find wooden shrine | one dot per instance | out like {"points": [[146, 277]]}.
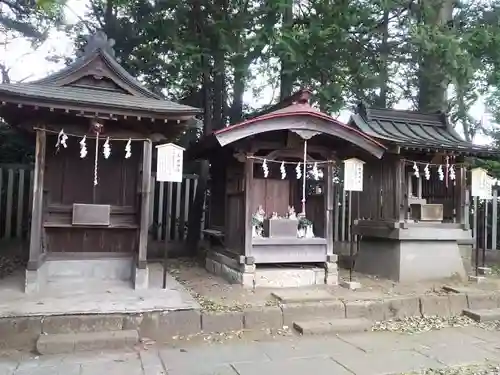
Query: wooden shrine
{"points": [[413, 221], [94, 126], [271, 197], [403, 172]]}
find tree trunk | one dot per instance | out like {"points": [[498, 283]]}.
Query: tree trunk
{"points": [[196, 213], [433, 83], [236, 112], [384, 63], [286, 76]]}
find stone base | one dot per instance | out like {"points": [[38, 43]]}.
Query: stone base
{"points": [[140, 279], [477, 279], [351, 285], [410, 260], [53, 273], [466, 249], [251, 277], [34, 281]]}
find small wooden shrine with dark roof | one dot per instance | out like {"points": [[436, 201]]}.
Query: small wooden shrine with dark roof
{"points": [[94, 125], [413, 213]]}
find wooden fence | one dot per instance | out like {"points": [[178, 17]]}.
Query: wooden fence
{"points": [[484, 221], [170, 204], [15, 200]]}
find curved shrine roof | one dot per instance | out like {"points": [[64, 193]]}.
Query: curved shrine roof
{"points": [[413, 130], [95, 81], [297, 115]]}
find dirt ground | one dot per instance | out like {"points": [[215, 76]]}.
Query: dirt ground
{"points": [[13, 256], [213, 292]]}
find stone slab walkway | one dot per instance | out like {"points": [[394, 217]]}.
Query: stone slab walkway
{"points": [[96, 298], [370, 353]]}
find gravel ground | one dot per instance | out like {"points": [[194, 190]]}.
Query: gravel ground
{"points": [[215, 294], [489, 369], [429, 323], [12, 257], [9, 264]]}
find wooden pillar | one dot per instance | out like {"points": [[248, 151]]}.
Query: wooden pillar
{"points": [[37, 204], [400, 202], [460, 196], [248, 205], [145, 193], [329, 206]]}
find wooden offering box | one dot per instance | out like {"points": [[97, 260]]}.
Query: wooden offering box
{"points": [[427, 212], [274, 228]]}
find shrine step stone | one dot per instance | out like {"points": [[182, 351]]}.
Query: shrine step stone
{"points": [[303, 296], [321, 327], [484, 271], [484, 315], [64, 343]]}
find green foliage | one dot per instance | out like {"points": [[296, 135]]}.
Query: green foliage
{"points": [[15, 147], [380, 51], [30, 19]]}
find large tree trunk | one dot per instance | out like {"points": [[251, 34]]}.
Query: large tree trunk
{"points": [[196, 214], [433, 83], [286, 76], [236, 111], [384, 63]]}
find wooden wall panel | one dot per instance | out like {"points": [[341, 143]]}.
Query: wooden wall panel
{"points": [[273, 195], [91, 240], [70, 179], [235, 224]]}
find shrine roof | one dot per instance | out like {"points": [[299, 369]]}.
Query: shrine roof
{"points": [[297, 115], [95, 81], [299, 107], [413, 129], [79, 96]]}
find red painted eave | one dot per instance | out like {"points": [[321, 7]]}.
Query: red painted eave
{"points": [[297, 109]]}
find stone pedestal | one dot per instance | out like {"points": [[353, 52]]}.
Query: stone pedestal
{"points": [[411, 252], [331, 270], [140, 278], [251, 276], [34, 281]]}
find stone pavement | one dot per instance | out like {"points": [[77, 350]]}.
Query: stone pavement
{"points": [[367, 353], [97, 297]]}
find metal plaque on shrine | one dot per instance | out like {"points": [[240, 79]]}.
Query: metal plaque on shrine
{"points": [[353, 174], [169, 163]]}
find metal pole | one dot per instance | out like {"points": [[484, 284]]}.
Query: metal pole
{"points": [[304, 179], [485, 239], [476, 237]]}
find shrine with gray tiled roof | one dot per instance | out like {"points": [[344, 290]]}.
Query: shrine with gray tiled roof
{"points": [[94, 126], [413, 221]]}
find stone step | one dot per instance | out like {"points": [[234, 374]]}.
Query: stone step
{"points": [[486, 315], [319, 327], [303, 296], [64, 343], [484, 271]]}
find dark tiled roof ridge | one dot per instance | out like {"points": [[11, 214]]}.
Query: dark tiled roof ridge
{"points": [[80, 95], [403, 115], [82, 61]]}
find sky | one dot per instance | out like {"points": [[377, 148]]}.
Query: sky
{"points": [[26, 64]]}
